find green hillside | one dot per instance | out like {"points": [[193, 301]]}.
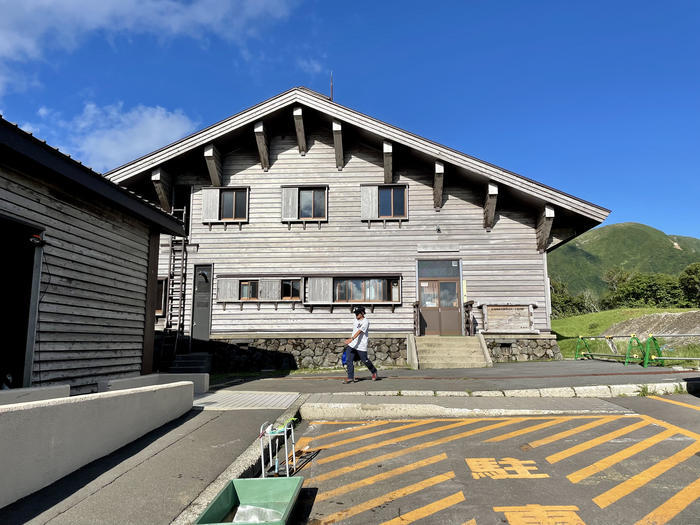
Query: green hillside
{"points": [[582, 262]]}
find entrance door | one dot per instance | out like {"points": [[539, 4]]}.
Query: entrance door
{"points": [[439, 294], [201, 305], [439, 307]]}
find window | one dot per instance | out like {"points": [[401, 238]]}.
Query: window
{"points": [[312, 203], [161, 290], [291, 289], [370, 290], [248, 290], [392, 201], [234, 204]]}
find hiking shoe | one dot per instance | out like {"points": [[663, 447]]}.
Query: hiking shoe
{"points": [[348, 381], [374, 377]]}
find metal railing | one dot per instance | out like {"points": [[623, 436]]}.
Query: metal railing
{"points": [[646, 353]]}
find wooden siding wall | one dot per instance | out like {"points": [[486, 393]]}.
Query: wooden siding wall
{"points": [[499, 266], [93, 285]]}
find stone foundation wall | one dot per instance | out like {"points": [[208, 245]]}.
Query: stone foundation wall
{"points": [[300, 352], [505, 348]]}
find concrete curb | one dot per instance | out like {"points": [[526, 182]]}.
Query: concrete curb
{"points": [[676, 387], [245, 466]]}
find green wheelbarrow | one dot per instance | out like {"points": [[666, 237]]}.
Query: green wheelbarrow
{"points": [[247, 501]]}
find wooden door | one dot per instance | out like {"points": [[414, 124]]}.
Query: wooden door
{"points": [[439, 307]]}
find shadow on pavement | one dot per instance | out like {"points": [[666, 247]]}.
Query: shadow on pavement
{"points": [[38, 502]]}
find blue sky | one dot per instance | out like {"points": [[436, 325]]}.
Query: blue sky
{"points": [[598, 99]]}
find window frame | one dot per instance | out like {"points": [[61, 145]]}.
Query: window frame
{"points": [[163, 302], [249, 282], [387, 282], [233, 190], [393, 216], [291, 297], [313, 205]]}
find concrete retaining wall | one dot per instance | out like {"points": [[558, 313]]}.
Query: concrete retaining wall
{"points": [[25, 395], [42, 441], [200, 381]]}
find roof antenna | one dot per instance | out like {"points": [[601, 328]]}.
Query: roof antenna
{"points": [[331, 85]]}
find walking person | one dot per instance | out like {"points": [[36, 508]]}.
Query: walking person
{"points": [[357, 345]]}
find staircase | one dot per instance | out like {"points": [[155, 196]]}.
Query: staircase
{"points": [[435, 351], [195, 362]]}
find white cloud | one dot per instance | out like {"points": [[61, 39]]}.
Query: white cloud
{"points": [[104, 137], [30, 27], [309, 65]]}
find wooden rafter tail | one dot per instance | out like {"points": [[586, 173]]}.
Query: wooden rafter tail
{"points": [[261, 140], [544, 227], [438, 182], [162, 182], [490, 206], [299, 127], [387, 148], [338, 144], [213, 159]]}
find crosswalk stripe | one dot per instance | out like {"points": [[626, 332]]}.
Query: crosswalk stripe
{"points": [[674, 506], [630, 485], [344, 489], [619, 456], [386, 498], [527, 430], [587, 445], [392, 441], [351, 429], [391, 455], [372, 434], [427, 510], [673, 401], [572, 432]]}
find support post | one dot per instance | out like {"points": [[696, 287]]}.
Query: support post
{"points": [[388, 168], [438, 181], [338, 143], [544, 227], [163, 184], [261, 140], [490, 206], [299, 126], [211, 155]]}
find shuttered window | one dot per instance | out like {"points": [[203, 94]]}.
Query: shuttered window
{"points": [[367, 290], [248, 290], [386, 202], [291, 289], [304, 203], [233, 204]]}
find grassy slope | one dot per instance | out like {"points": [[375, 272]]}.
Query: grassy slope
{"points": [[582, 262], [569, 328]]}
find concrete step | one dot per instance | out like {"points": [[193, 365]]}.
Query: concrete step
{"points": [[423, 365], [449, 354], [447, 347]]}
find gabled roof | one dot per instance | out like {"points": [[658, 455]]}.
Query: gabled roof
{"points": [[21, 150], [321, 103]]}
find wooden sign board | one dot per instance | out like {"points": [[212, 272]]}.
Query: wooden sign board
{"points": [[508, 318]]}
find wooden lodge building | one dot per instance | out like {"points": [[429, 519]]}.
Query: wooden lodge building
{"points": [[298, 208], [80, 260]]}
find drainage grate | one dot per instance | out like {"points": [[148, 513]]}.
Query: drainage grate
{"points": [[237, 400]]}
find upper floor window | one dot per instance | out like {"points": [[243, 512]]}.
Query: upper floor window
{"points": [[234, 204], [312, 203], [366, 289], [392, 201]]}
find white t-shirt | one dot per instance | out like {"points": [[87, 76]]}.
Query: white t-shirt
{"points": [[360, 342]]}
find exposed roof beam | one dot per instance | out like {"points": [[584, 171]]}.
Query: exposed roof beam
{"points": [[162, 182], [490, 206], [211, 155], [560, 236], [438, 181], [261, 139], [338, 143], [544, 227], [299, 126], [388, 167]]}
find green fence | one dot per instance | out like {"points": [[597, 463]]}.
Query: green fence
{"points": [[630, 349]]}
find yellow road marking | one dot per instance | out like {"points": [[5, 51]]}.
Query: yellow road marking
{"points": [[572, 432], [379, 477], [427, 510], [630, 485], [586, 445], [350, 422], [679, 403], [669, 426], [372, 434], [391, 455], [619, 456], [666, 512], [351, 429], [392, 441], [527, 430], [386, 498], [470, 522]]}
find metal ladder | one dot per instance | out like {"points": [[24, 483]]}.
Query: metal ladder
{"points": [[177, 271]]}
